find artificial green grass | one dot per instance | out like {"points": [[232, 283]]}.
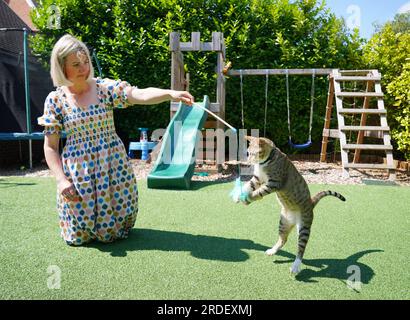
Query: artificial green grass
{"points": [[199, 245]]}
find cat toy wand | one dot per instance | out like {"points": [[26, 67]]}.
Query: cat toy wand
{"points": [[237, 193], [214, 115]]}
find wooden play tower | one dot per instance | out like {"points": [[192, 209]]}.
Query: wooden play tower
{"points": [[210, 152]]}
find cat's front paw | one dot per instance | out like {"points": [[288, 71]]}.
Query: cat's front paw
{"points": [[244, 198], [246, 203]]}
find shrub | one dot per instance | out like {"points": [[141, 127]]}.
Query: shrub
{"points": [[389, 50], [399, 89]]}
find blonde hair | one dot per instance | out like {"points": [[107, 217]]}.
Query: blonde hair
{"points": [[65, 46]]}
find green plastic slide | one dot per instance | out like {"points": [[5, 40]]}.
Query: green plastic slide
{"points": [[176, 161]]}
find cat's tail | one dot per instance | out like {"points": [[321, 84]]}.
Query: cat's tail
{"points": [[323, 194]]}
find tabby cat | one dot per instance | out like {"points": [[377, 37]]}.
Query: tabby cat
{"points": [[274, 172]]}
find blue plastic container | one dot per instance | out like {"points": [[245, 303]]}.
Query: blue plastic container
{"points": [[144, 145]]}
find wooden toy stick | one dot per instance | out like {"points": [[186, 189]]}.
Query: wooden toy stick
{"points": [[214, 115]]}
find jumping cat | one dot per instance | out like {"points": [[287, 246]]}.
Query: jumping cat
{"points": [[274, 172]]}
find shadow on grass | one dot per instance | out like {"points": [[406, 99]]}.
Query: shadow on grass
{"points": [[196, 185], [375, 182], [200, 246], [332, 268], [4, 184]]}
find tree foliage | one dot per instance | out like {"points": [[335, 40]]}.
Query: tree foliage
{"points": [[389, 51], [132, 39]]}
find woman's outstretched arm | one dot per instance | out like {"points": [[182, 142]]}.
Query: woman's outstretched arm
{"points": [[156, 95]]}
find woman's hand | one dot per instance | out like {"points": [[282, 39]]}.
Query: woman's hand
{"points": [[183, 96], [67, 190]]}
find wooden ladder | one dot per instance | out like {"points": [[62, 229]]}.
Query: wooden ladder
{"points": [[372, 79]]}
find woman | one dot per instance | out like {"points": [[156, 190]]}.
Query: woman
{"points": [[96, 188]]}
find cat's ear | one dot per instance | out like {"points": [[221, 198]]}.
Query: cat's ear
{"points": [[266, 141]]}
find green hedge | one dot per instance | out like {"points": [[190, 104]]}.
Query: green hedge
{"points": [[400, 110], [389, 51], [132, 40]]}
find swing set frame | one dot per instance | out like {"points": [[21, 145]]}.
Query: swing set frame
{"points": [[180, 80], [283, 72]]}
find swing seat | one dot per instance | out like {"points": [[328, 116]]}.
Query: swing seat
{"points": [[300, 146], [312, 101]]}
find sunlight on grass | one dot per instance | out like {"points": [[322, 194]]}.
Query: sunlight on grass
{"points": [[200, 245]]}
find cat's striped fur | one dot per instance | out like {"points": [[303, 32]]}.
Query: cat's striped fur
{"points": [[274, 172]]}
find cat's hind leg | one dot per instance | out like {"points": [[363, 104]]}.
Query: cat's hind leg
{"points": [[285, 227], [303, 237]]}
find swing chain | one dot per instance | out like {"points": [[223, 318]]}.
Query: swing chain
{"points": [[266, 101], [242, 113], [287, 103], [312, 103]]}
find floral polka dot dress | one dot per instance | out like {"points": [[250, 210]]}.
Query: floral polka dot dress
{"points": [[95, 160]]}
